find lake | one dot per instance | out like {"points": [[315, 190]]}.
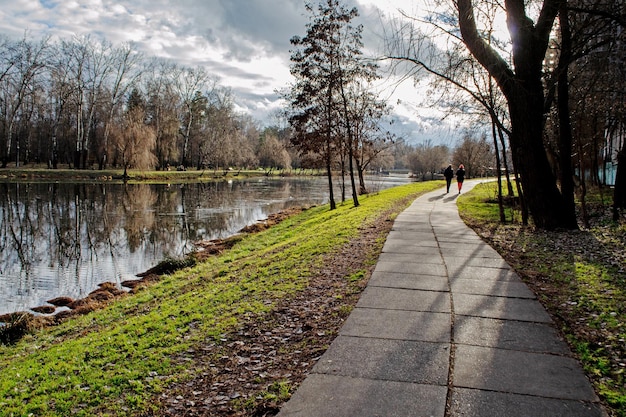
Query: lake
{"points": [[63, 239]]}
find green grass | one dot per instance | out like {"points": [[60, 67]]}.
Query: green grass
{"points": [[579, 276], [117, 360], [481, 204]]}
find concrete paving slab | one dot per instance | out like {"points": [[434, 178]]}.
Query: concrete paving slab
{"points": [[453, 235], [509, 334], [449, 220], [333, 396], [413, 236], [451, 244], [410, 258], [411, 226], [520, 373], [442, 212], [403, 299], [417, 212], [456, 263], [475, 272], [418, 232], [385, 359], [408, 281], [482, 272], [521, 309], [476, 403], [516, 289], [393, 244], [422, 268], [398, 325], [411, 222], [417, 249], [419, 218], [474, 251]]}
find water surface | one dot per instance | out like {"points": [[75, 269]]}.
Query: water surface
{"points": [[63, 239]]}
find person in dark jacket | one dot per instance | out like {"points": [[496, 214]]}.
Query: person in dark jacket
{"points": [[448, 173], [460, 176]]}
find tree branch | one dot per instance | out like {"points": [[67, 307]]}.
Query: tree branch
{"points": [[481, 50]]}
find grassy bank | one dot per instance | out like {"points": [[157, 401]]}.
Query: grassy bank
{"points": [[579, 276], [35, 173], [121, 359]]}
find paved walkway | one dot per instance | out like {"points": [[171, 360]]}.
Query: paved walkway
{"points": [[444, 328]]}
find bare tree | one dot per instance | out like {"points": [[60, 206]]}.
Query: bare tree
{"points": [[124, 74], [589, 89], [428, 158], [188, 83], [476, 154], [98, 66], [26, 60], [366, 113], [222, 133], [60, 91], [77, 52], [519, 78], [84, 66], [459, 84], [74, 111], [312, 99]]}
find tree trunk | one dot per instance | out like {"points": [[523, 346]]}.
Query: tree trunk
{"points": [[523, 90], [498, 165], [505, 162], [619, 193], [346, 115], [9, 139], [186, 136], [343, 178], [565, 126], [329, 173], [545, 202], [359, 170]]}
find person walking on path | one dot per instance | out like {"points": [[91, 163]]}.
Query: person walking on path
{"points": [[460, 176], [448, 173]]}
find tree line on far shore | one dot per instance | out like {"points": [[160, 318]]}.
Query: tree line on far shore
{"points": [[84, 103], [87, 104]]}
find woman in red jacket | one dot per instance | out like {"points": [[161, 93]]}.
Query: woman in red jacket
{"points": [[460, 176]]}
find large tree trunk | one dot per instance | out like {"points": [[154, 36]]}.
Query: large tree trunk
{"points": [[565, 126], [545, 202], [523, 90]]}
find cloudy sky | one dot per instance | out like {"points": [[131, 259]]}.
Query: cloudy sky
{"points": [[245, 43]]}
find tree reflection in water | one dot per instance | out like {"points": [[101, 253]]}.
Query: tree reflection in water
{"points": [[62, 239]]}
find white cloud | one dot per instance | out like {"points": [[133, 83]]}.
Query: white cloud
{"points": [[245, 43]]}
